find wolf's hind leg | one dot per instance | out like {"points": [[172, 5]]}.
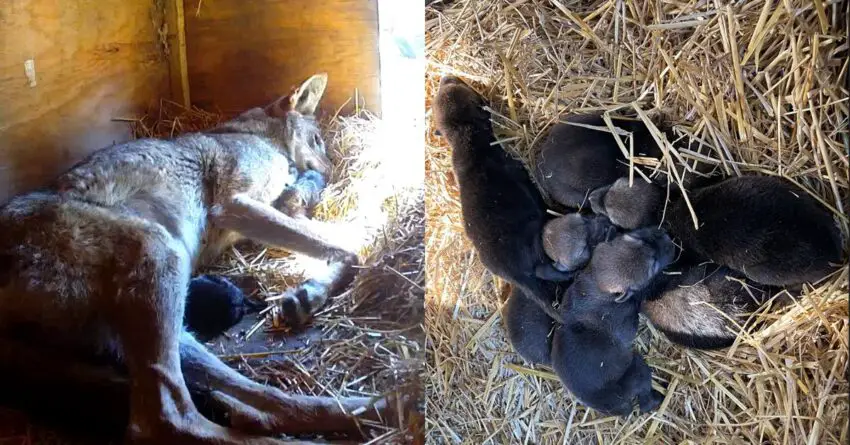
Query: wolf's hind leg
{"points": [[146, 314], [262, 409]]}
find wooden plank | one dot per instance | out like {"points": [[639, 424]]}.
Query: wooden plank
{"points": [[177, 63], [246, 53], [92, 61]]}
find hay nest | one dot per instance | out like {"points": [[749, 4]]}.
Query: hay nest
{"points": [[366, 341], [761, 84]]}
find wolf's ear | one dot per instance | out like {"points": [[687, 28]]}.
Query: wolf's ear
{"points": [[305, 99]]}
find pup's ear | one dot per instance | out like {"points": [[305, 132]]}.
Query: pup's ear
{"points": [[305, 99]]}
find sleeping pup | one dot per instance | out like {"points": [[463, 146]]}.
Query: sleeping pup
{"points": [[762, 226], [592, 351], [703, 305], [503, 211], [214, 305]]}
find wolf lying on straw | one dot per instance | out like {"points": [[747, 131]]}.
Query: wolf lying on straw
{"points": [[98, 263], [739, 210]]}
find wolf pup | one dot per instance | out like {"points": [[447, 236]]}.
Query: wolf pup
{"points": [[503, 211], [592, 351], [99, 263], [575, 160], [762, 226], [629, 207], [529, 328], [213, 305], [299, 199], [569, 240], [704, 305]]}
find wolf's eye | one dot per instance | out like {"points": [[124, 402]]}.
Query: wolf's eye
{"points": [[317, 140]]}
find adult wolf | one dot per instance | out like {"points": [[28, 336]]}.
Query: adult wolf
{"points": [[98, 263]]}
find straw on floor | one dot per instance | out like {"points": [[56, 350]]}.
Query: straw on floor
{"points": [[761, 83]]}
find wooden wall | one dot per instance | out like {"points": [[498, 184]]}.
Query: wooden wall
{"points": [[246, 53], [94, 60]]}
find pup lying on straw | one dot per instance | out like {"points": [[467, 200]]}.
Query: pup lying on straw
{"points": [[592, 351], [503, 211], [703, 305], [569, 240], [764, 227], [575, 160]]}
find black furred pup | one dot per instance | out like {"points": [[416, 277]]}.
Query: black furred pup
{"points": [[214, 305], [703, 305], [762, 226], [592, 351], [502, 209], [529, 328], [575, 160]]}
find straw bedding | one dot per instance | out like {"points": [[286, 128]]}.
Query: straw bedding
{"points": [[761, 84]]}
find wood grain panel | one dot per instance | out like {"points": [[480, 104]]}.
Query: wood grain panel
{"points": [[246, 53], [94, 60]]}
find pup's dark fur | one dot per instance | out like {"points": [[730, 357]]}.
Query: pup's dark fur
{"points": [[502, 209], [299, 199], [592, 351], [763, 226], [529, 328], [214, 305], [574, 160], [700, 307], [570, 239]]}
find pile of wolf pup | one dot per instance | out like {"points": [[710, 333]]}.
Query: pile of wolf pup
{"points": [[579, 281]]}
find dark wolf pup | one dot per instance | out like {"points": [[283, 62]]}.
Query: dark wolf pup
{"points": [[503, 211], [592, 351], [762, 226], [98, 263], [213, 305], [703, 305]]}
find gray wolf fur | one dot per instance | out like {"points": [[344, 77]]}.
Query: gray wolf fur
{"points": [[99, 261]]}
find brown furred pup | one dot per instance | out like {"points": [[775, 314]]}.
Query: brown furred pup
{"points": [[569, 240], [592, 351], [762, 226], [575, 160], [502, 209], [703, 305]]}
